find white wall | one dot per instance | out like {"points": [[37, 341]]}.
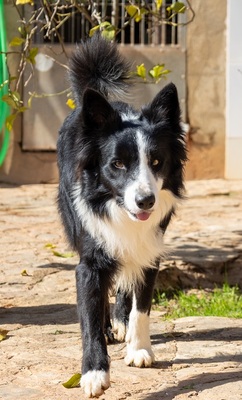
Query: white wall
{"points": [[233, 163]]}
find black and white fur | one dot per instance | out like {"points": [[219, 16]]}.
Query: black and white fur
{"points": [[121, 177]]}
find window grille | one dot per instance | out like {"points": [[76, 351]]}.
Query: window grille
{"points": [[146, 32]]}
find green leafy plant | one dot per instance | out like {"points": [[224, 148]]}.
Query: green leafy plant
{"points": [[136, 12], [156, 73], [48, 18]]}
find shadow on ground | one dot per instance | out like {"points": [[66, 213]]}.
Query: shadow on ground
{"points": [[196, 383], [53, 314], [223, 334], [59, 266]]}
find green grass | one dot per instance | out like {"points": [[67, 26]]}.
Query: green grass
{"points": [[221, 302]]}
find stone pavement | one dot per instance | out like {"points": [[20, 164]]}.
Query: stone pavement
{"points": [[197, 358]]}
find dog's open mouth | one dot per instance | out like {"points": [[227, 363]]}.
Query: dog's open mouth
{"points": [[140, 216], [143, 216]]}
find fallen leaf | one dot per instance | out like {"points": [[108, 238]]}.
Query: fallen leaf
{"points": [[63, 255], [3, 334], [24, 273], [50, 246], [58, 332], [74, 381]]}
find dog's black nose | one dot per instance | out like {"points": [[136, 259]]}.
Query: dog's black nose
{"points": [[145, 202]]}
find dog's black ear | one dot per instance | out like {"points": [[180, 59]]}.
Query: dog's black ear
{"points": [[165, 106], [97, 112]]}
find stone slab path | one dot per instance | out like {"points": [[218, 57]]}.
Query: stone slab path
{"points": [[196, 358]]}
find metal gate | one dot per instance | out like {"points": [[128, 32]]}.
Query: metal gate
{"points": [[141, 42]]}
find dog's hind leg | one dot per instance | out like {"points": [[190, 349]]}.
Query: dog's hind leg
{"points": [[122, 310], [139, 352], [92, 291], [108, 326]]}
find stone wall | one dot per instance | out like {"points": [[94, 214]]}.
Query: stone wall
{"points": [[206, 57]]}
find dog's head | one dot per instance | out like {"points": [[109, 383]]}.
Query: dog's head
{"points": [[134, 157]]}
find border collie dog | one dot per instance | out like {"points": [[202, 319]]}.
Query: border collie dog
{"points": [[121, 177]]}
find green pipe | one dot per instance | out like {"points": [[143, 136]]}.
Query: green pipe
{"points": [[4, 108]]}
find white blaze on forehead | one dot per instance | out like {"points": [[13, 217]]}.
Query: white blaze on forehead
{"points": [[145, 182], [146, 179]]}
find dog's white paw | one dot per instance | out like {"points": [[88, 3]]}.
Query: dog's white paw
{"points": [[95, 382], [119, 329], [140, 358]]}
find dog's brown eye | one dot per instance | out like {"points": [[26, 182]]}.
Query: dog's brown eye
{"points": [[155, 162], [118, 164]]}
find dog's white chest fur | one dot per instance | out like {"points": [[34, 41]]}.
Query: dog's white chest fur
{"points": [[134, 244]]}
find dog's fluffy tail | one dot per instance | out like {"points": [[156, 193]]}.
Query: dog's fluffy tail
{"points": [[97, 64]]}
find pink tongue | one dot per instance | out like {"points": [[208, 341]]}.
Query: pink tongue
{"points": [[143, 216]]}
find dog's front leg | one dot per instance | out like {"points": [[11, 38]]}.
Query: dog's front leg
{"points": [[139, 352], [92, 291]]}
